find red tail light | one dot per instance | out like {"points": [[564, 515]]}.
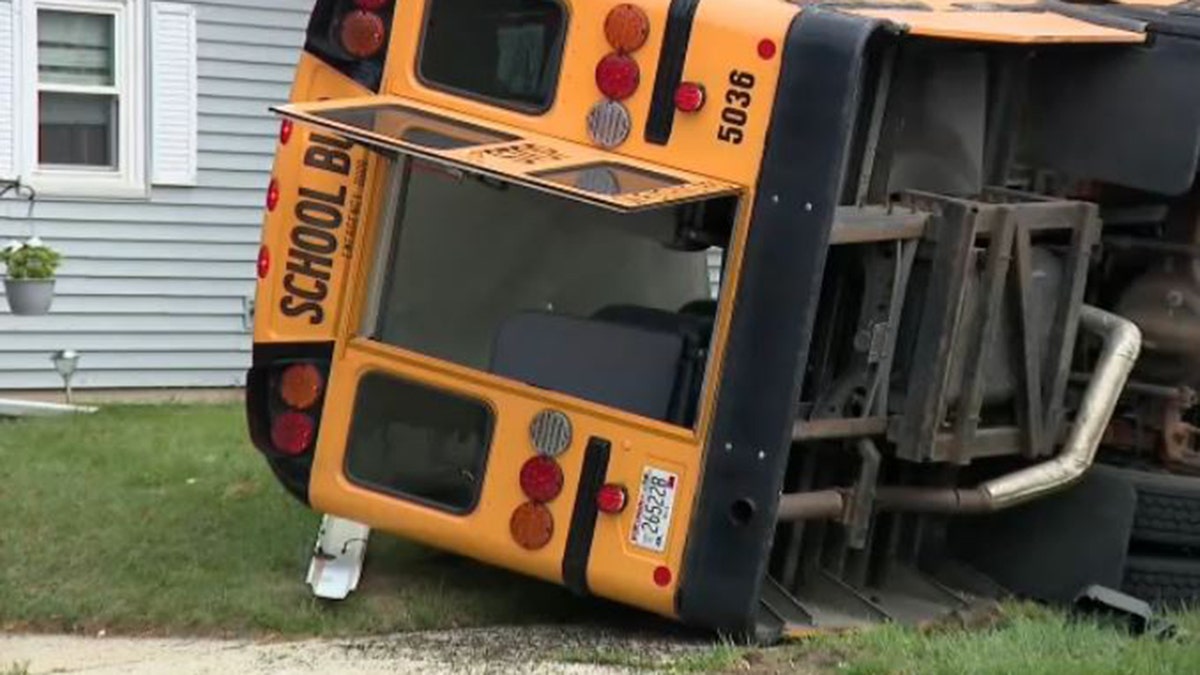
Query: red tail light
{"points": [[301, 386], [292, 433], [264, 262], [273, 195], [285, 131], [363, 34], [617, 76], [611, 499], [541, 479]]}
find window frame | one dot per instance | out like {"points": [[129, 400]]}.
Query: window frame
{"points": [[128, 179]]}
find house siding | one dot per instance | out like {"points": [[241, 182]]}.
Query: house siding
{"points": [[156, 292]]}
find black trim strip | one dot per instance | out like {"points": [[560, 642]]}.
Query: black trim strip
{"points": [[814, 117], [583, 518], [670, 70]]}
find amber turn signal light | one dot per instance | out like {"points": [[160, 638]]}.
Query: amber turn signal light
{"points": [[301, 385], [532, 526], [627, 28], [362, 34]]}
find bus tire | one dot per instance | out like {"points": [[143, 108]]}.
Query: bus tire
{"points": [[1168, 508], [1170, 582]]}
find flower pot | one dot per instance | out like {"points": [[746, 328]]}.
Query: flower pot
{"points": [[29, 297]]}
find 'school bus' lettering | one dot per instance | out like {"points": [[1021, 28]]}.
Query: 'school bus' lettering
{"points": [[313, 239]]}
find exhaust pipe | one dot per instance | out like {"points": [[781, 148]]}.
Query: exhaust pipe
{"points": [[1122, 344]]}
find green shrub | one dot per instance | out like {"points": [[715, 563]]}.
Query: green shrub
{"points": [[30, 260]]}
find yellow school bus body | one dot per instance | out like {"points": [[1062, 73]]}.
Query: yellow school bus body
{"points": [[617, 569]]}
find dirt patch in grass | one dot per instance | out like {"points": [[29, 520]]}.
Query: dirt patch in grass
{"points": [[147, 520]]}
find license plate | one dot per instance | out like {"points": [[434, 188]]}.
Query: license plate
{"points": [[652, 523]]}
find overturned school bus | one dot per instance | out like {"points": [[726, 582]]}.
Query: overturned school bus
{"points": [[758, 315]]}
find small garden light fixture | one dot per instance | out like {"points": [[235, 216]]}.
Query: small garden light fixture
{"points": [[66, 362]]}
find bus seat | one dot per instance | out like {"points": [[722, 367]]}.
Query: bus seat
{"points": [[627, 367], [694, 324]]}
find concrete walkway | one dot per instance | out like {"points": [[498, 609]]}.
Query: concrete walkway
{"points": [[500, 651]]}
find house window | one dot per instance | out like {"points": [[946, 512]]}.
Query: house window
{"points": [[79, 100], [84, 114]]}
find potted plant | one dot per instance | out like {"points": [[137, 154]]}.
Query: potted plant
{"points": [[29, 283]]}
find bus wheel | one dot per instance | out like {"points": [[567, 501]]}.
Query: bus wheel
{"points": [[1172, 582]]}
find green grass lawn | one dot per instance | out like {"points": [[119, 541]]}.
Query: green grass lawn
{"points": [[1026, 640], [162, 520]]}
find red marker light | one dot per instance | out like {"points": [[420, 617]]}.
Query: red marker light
{"points": [[273, 195], [662, 576], [766, 49], [689, 97], [292, 433], [611, 499], [618, 76], [541, 479], [264, 262], [285, 131]]}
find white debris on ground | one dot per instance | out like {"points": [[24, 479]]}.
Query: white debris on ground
{"points": [[497, 651]]}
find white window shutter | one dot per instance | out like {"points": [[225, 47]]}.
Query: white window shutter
{"points": [[8, 99], [173, 85]]}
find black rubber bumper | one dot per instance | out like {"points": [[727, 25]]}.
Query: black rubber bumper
{"points": [[811, 129]]}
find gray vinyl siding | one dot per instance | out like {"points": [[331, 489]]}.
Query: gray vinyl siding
{"points": [[154, 293]]}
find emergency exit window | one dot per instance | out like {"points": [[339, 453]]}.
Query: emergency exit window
{"points": [[502, 51]]}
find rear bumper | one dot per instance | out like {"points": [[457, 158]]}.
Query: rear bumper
{"points": [[815, 117]]}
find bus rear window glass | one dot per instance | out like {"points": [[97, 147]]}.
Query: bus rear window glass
{"points": [[412, 441], [609, 178], [415, 126], [503, 51]]}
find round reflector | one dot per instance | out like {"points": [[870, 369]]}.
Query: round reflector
{"points": [[286, 128], [627, 28], [611, 499], [541, 479], [766, 49], [272, 195], [550, 433], [301, 385], [292, 433], [362, 34], [618, 76], [532, 526], [662, 576], [689, 97], [372, 5], [264, 261], [608, 124]]}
